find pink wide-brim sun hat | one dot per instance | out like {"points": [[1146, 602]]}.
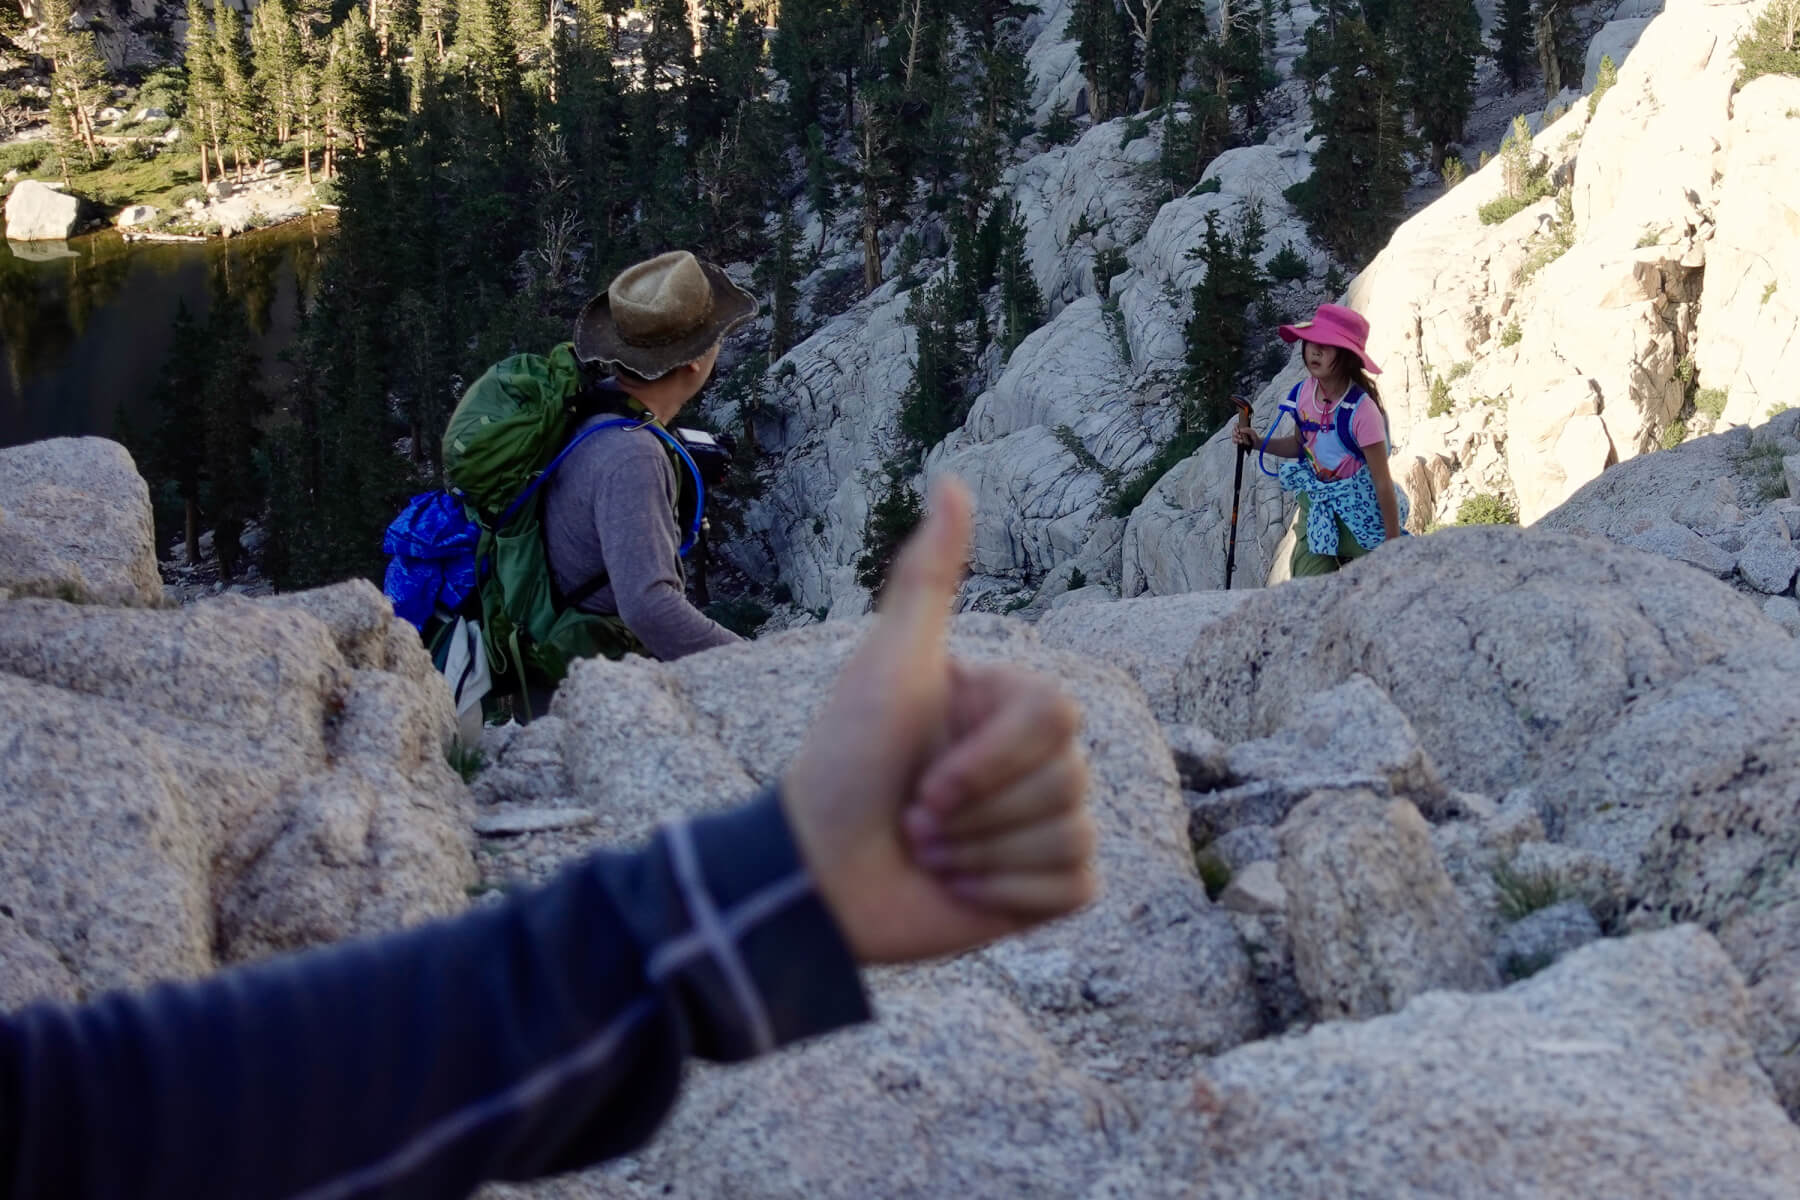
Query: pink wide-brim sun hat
{"points": [[1334, 325]]}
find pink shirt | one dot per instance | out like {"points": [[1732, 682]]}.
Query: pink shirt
{"points": [[1366, 426]]}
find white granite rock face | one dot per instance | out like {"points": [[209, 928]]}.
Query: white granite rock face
{"points": [[75, 523], [1747, 343], [203, 785]]}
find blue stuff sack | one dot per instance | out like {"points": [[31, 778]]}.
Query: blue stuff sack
{"points": [[433, 545]]}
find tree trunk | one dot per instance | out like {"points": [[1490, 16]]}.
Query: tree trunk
{"points": [[306, 152], [191, 530]]}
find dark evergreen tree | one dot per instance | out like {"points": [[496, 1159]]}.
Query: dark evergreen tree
{"points": [[1435, 42], [1219, 327], [1104, 39], [1021, 303], [936, 402], [891, 520], [232, 404], [1353, 199], [1513, 40], [175, 452]]}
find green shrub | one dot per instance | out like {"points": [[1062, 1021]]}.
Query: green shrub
{"points": [[1607, 75], [1768, 292], [1674, 433], [1773, 44], [1459, 370], [1649, 238], [23, 157], [1711, 401], [1083, 227], [1487, 509], [1107, 263], [1135, 128], [1455, 171], [1288, 266], [1512, 333], [1209, 187], [1215, 876], [1524, 182], [1077, 579], [1440, 398], [1132, 491]]}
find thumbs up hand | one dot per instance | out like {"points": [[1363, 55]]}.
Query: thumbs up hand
{"points": [[939, 805]]}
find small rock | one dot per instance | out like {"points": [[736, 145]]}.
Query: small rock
{"points": [[1784, 611], [219, 189], [533, 820], [1684, 545], [1246, 845], [1538, 939], [1255, 890], [151, 114], [172, 136], [112, 115], [137, 214], [270, 166], [1769, 564]]}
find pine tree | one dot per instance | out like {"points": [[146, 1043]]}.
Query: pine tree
{"points": [[1218, 329], [1558, 46], [484, 44], [349, 89], [276, 56], [891, 520], [232, 404], [1436, 41], [206, 85], [176, 448], [1104, 39], [1513, 40], [1021, 303], [76, 82], [935, 403], [237, 85], [779, 271], [1359, 180]]}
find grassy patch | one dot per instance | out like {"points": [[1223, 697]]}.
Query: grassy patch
{"points": [[1524, 966], [1132, 491], [1511, 334], [1523, 894], [1069, 440], [1459, 370], [1762, 463], [1768, 293], [1711, 401], [129, 179], [1674, 433], [1649, 238], [1114, 317], [466, 760]]}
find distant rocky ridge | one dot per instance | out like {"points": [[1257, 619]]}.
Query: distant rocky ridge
{"points": [[1522, 359], [1478, 757]]}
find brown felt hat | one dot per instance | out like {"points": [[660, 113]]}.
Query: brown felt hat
{"points": [[661, 314]]}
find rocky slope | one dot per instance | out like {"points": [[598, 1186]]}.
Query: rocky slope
{"points": [[1350, 810], [1636, 303]]}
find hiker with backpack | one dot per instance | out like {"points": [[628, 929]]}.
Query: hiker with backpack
{"points": [[610, 510], [572, 498], [1348, 502]]}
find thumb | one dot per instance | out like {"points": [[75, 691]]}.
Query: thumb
{"points": [[915, 607]]}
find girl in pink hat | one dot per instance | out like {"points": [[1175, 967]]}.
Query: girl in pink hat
{"points": [[1348, 502]]}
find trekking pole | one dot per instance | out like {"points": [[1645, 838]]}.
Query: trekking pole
{"points": [[1237, 482]]}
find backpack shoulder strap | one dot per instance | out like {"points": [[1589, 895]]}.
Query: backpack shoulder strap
{"points": [[1345, 414]]}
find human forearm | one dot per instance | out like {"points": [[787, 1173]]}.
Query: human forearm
{"points": [[529, 1037]]}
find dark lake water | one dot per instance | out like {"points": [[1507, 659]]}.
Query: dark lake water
{"points": [[85, 325]]}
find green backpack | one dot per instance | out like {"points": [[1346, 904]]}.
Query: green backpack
{"points": [[509, 431]]}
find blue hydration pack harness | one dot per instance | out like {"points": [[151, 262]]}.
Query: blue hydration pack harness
{"points": [[433, 541], [1346, 409]]}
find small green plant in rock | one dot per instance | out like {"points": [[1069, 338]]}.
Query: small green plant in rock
{"points": [[1077, 579], [1440, 398], [1604, 78], [1649, 238], [1455, 171], [1083, 226], [1524, 966], [1674, 433], [1711, 401], [1135, 128], [1215, 875], [1522, 894], [1108, 263], [1768, 293], [1459, 370], [1762, 463], [1209, 187], [1071, 441], [1510, 335], [1059, 126], [1561, 238], [1525, 182], [1485, 508], [466, 760]]}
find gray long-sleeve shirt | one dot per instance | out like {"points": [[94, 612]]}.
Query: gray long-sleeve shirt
{"points": [[611, 507]]}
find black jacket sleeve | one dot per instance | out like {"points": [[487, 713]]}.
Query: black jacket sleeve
{"points": [[524, 1038]]}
